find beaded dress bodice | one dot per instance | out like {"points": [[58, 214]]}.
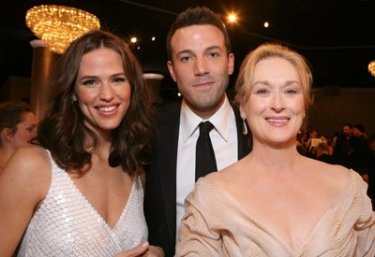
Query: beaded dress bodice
{"points": [[66, 224]]}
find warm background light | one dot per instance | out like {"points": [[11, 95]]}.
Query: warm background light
{"points": [[232, 17], [59, 25], [133, 40], [371, 68]]}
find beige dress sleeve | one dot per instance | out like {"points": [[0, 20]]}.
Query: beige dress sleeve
{"points": [[196, 236], [365, 224]]}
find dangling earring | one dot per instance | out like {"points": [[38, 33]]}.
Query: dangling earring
{"points": [[244, 127], [73, 99]]}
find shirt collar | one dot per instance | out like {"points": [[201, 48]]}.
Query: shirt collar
{"points": [[190, 121]]}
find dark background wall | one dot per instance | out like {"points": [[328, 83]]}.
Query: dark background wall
{"points": [[334, 106]]}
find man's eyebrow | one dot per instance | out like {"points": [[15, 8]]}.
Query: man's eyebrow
{"points": [[213, 48], [185, 51]]}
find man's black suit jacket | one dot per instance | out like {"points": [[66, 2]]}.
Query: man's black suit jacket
{"points": [[160, 187]]}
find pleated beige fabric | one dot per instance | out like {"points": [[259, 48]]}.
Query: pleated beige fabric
{"points": [[215, 224]]}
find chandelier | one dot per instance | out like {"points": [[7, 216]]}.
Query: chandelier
{"points": [[371, 68], [59, 25]]}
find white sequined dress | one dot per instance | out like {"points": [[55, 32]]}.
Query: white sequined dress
{"points": [[66, 224]]}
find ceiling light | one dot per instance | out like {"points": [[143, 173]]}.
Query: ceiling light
{"points": [[371, 68], [59, 25], [133, 40], [232, 18]]}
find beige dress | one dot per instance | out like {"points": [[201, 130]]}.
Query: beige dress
{"points": [[215, 224]]}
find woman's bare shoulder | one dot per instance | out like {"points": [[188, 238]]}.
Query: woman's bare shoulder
{"points": [[26, 177], [334, 175], [334, 169], [30, 156], [29, 163], [225, 178]]}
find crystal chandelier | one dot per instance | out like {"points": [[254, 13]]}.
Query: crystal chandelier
{"points": [[59, 25], [371, 68]]}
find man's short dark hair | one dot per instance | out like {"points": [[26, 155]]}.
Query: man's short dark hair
{"points": [[197, 16]]}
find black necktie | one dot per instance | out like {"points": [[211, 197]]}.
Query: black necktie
{"points": [[204, 156]]}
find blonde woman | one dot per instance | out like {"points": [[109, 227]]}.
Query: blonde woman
{"points": [[274, 201]]}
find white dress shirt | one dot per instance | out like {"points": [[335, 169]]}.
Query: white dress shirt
{"points": [[224, 142]]}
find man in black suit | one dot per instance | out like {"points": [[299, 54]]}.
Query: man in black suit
{"points": [[200, 62]]}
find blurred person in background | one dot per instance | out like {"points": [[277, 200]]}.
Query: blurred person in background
{"points": [[17, 128], [371, 189], [323, 153], [343, 148], [361, 154]]}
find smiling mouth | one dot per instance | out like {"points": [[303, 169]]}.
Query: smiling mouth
{"points": [[107, 109], [278, 121]]}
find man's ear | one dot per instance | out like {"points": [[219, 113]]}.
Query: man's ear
{"points": [[171, 70], [230, 64]]}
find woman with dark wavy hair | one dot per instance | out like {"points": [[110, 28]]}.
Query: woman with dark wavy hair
{"points": [[79, 192]]}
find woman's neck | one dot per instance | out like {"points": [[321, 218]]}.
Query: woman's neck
{"points": [[275, 158]]}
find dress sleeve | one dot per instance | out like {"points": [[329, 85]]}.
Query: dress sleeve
{"points": [[197, 236], [365, 224]]}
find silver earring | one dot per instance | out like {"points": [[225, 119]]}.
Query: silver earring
{"points": [[244, 127], [73, 99]]}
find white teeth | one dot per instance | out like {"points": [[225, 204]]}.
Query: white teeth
{"points": [[277, 120], [107, 108]]}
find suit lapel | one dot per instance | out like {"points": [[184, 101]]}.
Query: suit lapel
{"points": [[168, 162], [168, 145]]}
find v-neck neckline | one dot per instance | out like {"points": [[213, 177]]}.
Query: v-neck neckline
{"points": [[89, 204], [298, 250]]}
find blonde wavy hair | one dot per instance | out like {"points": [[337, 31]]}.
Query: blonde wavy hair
{"points": [[244, 83]]}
